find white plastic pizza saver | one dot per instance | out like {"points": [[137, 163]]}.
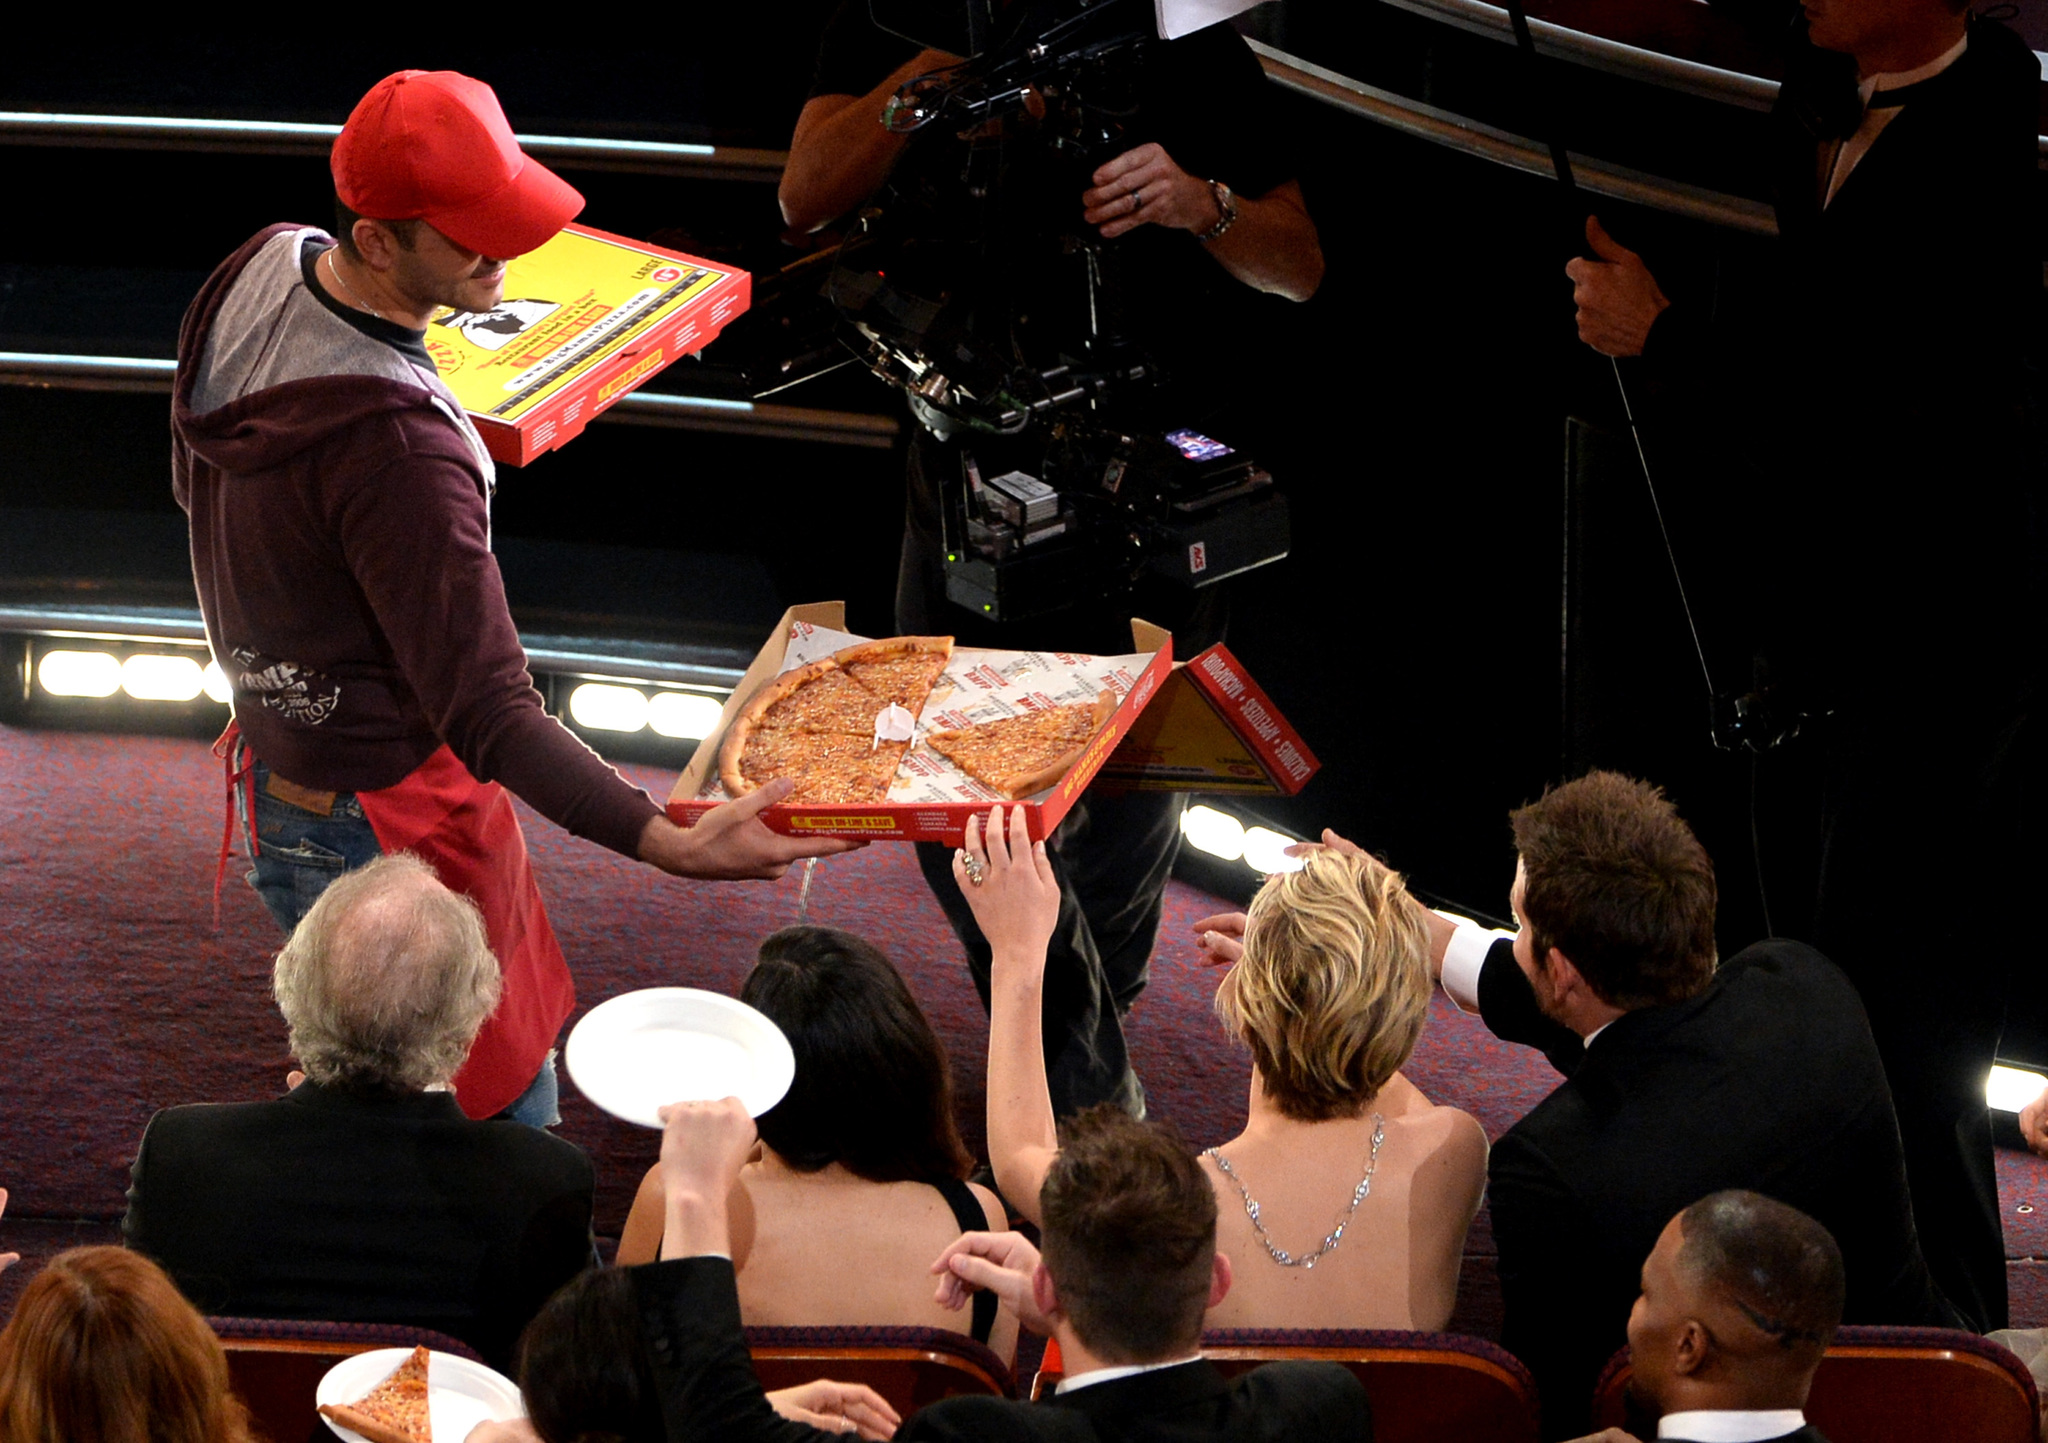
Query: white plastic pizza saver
{"points": [[460, 1394], [640, 1051]]}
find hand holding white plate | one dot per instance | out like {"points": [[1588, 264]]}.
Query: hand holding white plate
{"points": [[460, 1394], [638, 1052]]}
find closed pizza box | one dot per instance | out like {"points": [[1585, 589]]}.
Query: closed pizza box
{"points": [[916, 821], [584, 320], [1211, 729]]}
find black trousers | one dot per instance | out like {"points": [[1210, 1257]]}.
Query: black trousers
{"points": [[1929, 857], [1113, 853]]}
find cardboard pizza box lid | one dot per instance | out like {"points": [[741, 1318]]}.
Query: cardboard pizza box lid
{"points": [[1212, 729], [909, 821], [584, 320]]}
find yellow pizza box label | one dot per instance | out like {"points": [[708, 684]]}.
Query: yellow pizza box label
{"points": [[571, 311]]}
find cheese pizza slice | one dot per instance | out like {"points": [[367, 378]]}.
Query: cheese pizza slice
{"points": [[395, 1411], [1026, 753]]}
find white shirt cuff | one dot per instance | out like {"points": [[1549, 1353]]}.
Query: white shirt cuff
{"points": [[1464, 959]]}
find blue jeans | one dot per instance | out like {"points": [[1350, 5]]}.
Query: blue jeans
{"points": [[296, 853]]}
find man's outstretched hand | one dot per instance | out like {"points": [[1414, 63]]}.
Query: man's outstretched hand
{"points": [[1003, 1263], [1617, 297], [731, 843]]}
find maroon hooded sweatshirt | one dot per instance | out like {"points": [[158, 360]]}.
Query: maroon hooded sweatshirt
{"points": [[340, 510]]}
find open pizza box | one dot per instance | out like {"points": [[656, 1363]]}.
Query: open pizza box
{"points": [[584, 320], [932, 800], [1211, 729]]}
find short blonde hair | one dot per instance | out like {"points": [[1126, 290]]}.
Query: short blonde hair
{"points": [[1332, 989]]}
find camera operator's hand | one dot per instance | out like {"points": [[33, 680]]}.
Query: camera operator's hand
{"points": [[1145, 187], [1272, 246], [1617, 297]]}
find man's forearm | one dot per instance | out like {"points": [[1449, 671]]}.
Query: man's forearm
{"points": [[841, 152], [1273, 246]]}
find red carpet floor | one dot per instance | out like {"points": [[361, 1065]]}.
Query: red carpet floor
{"points": [[118, 997]]}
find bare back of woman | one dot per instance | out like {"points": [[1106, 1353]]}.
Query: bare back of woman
{"points": [[1396, 1262]]}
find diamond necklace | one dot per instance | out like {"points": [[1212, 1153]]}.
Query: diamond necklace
{"points": [[1358, 1195]]}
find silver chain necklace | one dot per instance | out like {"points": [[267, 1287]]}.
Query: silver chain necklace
{"points": [[335, 271], [1358, 1195]]}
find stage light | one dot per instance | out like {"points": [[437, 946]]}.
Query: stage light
{"points": [[1217, 833], [687, 714], [215, 681], [1265, 851], [161, 678], [79, 673], [2008, 1089], [605, 708]]}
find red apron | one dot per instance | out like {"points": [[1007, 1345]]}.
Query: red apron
{"points": [[468, 833]]}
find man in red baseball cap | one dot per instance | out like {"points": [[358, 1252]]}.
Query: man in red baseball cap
{"points": [[340, 508]]}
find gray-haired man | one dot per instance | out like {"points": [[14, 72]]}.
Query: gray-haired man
{"points": [[365, 1195]]}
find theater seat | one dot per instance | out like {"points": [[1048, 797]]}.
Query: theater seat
{"points": [[909, 1366], [276, 1364], [1424, 1387], [1879, 1384]]}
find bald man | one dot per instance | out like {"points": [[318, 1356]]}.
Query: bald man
{"points": [[1740, 1298]]}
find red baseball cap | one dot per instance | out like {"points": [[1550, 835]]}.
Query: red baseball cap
{"points": [[434, 145]]}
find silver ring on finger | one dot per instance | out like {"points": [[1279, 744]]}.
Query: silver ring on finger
{"points": [[971, 864], [1137, 202]]}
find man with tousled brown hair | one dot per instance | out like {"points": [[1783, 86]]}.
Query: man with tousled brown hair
{"points": [[1683, 1078]]}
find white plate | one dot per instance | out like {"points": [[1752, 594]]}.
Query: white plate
{"points": [[642, 1050], [460, 1394]]}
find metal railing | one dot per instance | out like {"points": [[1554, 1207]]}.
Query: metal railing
{"points": [[1426, 122], [1597, 52], [283, 137], [644, 408]]}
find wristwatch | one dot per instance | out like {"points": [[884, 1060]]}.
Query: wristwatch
{"points": [[1227, 204]]}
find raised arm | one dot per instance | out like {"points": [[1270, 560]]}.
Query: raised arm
{"points": [[1017, 903], [841, 151]]}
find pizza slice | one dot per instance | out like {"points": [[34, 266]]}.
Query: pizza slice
{"points": [[902, 670], [858, 779], [831, 701], [395, 1411], [768, 752], [1026, 753]]}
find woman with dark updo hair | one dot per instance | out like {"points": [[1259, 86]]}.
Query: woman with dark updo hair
{"points": [[859, 1182]]}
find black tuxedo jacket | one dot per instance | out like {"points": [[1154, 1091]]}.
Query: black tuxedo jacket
{"points": [[336, 1206], [689, 1311], [1768, 1080], [1876, 523]]}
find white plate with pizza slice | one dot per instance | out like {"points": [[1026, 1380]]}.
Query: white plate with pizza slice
{"points": [[635, 1053], [460, 1393]]}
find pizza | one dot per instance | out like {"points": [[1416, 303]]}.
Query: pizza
{"points": [[1028, 752], [395, 1411], [815, 724]]}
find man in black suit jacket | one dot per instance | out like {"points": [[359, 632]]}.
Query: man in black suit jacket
{"points": [[1891, 547], [365, 1195], [1682, 1079], [1740, 1298], [1130, 1266]]}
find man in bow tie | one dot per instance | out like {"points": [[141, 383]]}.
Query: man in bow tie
{"points": [[1877, 471]]}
